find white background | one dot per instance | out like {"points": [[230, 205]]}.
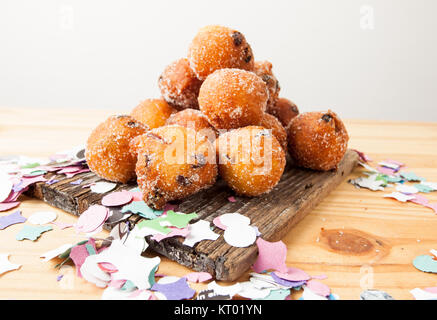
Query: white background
{"points": [[371, 59]]}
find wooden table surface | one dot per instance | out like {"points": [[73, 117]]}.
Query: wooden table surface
{"points": [[395, 232]]}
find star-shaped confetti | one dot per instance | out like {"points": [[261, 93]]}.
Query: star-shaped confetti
{"points": [[199, 231], [271, 255]]}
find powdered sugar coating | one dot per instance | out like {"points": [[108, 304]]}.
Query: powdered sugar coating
{"points": [[217, 47], [193, 119], [263, 69], [173, 163], [179, 85], [251, 160], [284, 110], [233, 98], [152, 112], [107, 151], [317, 140]]}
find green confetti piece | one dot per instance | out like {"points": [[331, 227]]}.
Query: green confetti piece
{"points": [[393, 179], [90, 249], [32, 232], [155, 224], [411, 176], [141, 208], [179, 219], [37, 173], [30, 165], [152, 276], [279, 294], [128, 286], [66, 253], [423, 188]]}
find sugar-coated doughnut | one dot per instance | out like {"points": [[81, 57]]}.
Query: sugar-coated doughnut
{"points": [[152, 112]]}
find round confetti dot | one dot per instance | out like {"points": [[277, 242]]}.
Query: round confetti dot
{"points": [[117, 198], [103, 187], [42, 217], [230, 219], [239, 235], [92, 218]]}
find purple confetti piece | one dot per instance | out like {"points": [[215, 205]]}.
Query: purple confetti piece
{"points": [[287, 283], [50, 182], [11, 219], [58, 278], [76, 182], [177, 290]]}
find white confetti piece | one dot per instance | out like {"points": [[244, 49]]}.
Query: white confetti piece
{"points": [[91, 272], [49, 255], [310, 295], [240, 236], [406, 189], [367, 167], [390, 165], [199, 231], [168, 279], [225, 290], [369, 183], [399, 196], [5, 265], [264, 281], [5, 186], [250, 291], [229, 219], [103, 187], [432, 185], [42, 217], [420, 294]]}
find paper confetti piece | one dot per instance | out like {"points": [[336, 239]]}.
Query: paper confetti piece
{"points": [[308, 294], [91, 272], [151, 227], [79, 253], [363, 156], [287, 283], [369, 183], [179, 219], [76, 182], [178, 290], [8, 206], [11, 219], [432, 185], [216, 221], [175, 232], [232, 199], [278, 294], [42, 217], [318, 288], [103, 187], [420, 294], [92, 218], [425, 263], [49, 255], [294, 274], [390, 164], [225, 290], [31, 232], [239, 236], [117, 198], [62, 225], [200, 231], [211, 295], [431, 289], [229, 219], [406, 189], [5, 187], [5, 265], [385, 170], [399, 196], [141, 208], [198, 276], [248, 290], [130, 265], [411, 176], [373, 294], [266, 281], [423, 188], [271, 255]]}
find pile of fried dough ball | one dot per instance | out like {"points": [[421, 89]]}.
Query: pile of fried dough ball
{"points": [[220, 115]]}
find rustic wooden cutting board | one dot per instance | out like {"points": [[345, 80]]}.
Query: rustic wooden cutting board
{"points": [[275, 213]]}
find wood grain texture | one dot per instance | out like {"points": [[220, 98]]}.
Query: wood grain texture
{"points": [[406, 230], [274, 213]]}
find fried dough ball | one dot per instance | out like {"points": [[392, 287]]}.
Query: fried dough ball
{"points": [[270, 122], [172, 164], [284, 110], [152, 112], [233, 98], [263, 69], [217, 47], [251, 160], [107, 151], [179, 85], [317, 140], [194, 119]]}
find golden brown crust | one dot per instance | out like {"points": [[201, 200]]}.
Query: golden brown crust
{"points": [[263, 69], [107, 151], [251, 160], [179, 85], [233, 98], [173, 163], [284, 110], [152, 112], [270, 122], [193, 119], [317, 140], [217, 47]]}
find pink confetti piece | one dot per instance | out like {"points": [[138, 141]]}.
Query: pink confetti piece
{"points": [[8, 206], [198, 277], [116, 283], [431, 289], [117, 198], [71, 175], [293, 274], [385, 170], [62, 225], [218, 223], [107, 267], [363, 156], [232, 199], [271, 255], [136, 195], [318, 288], [28, 181], [421, 200], [169, 207], [79, 253], [70, 169], [92, 219], [175, 232], [320, 277], [400, 164]]}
